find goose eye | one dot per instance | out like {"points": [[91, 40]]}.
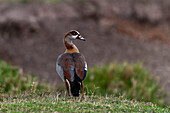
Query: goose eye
{"points": [[74, 33]]}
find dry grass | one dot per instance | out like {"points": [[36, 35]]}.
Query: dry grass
{"points": [[54, 102]]}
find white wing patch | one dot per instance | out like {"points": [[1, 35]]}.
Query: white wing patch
{"points": [[85, 66]]}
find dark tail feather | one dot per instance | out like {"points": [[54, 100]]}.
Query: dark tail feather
{"points": [[75, 88]]}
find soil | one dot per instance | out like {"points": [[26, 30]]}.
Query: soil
{"points": [[134, 31]]}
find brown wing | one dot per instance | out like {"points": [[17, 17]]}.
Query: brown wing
{"points": [[65, 66], [80, 65]]}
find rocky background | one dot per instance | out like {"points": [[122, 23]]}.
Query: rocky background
{"points": [[31, 34]]}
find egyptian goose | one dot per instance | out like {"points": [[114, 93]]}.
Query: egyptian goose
{"points": [[71, 65]]}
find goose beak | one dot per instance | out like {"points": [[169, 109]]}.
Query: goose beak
{"points": [[81, 38]]}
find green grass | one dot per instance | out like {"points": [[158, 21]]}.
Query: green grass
{"points": [[133, 81], [52, 102], [13, 81], [25, 93]]}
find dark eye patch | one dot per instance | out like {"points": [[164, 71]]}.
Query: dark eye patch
{"points": [[74, 33]]}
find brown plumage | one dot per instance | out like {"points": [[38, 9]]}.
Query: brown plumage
{"points": [[71, 65]]}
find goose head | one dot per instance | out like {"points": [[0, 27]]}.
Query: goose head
{"points": [[73, 35]]}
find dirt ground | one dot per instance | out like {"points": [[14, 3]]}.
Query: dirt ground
{"points": [[134, 31]]}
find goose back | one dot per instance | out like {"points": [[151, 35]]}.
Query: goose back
{"points": [[71, 66]]}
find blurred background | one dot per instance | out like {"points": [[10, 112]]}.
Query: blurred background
{"points": [[133, 31]]}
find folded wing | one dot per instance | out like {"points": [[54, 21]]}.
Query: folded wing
{"points": [[80, 65], [65, 67]]}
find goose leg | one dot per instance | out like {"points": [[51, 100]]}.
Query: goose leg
{"points": [[67, 87], [82, 89]]}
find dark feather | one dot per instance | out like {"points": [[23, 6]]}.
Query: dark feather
{"points": [[75, 88]]}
